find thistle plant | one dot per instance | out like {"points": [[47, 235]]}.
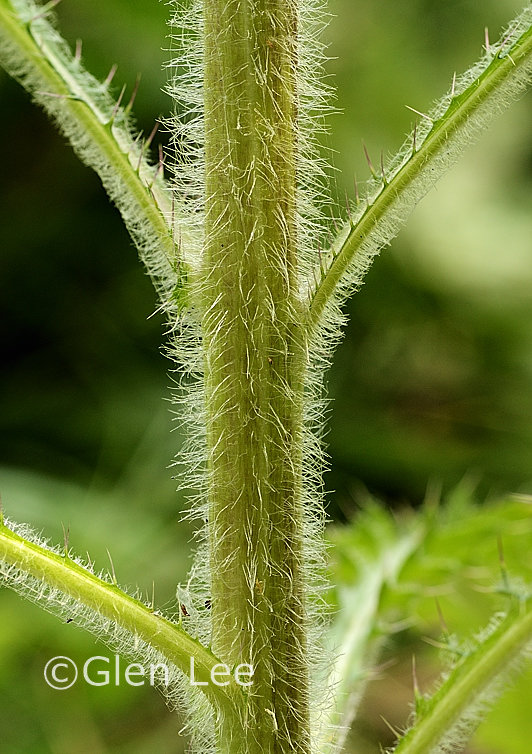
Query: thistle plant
{"points": [[229, 224]]}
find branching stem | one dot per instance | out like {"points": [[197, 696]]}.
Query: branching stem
{"points": [[389, 209], [98, 130], [60, 572]]}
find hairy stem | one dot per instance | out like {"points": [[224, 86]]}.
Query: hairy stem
{"points": [[98, 129], [254, 359], [64, 574], [475, 99]]}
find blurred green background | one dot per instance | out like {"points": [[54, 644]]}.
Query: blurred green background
{"points": [[433, 381]]}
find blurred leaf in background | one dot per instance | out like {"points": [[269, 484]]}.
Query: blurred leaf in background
{"points": [[433, 380], [411, 591]]}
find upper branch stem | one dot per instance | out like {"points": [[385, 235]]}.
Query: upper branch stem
{"points": [[99, 131], [499, 83]]}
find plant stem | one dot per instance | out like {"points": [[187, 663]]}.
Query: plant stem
{"points": [[466, 115], [254, 362], [62, 573], [101, 134]]}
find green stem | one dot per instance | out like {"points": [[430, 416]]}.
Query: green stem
{"points": [[254, 365], [502, 80], [99, 132], [62, 573]]}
